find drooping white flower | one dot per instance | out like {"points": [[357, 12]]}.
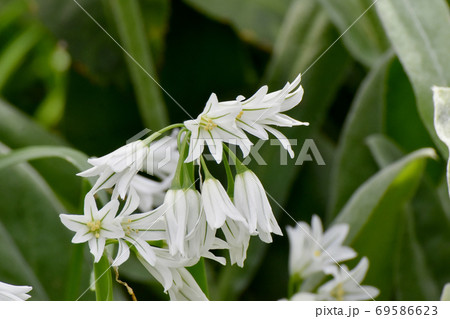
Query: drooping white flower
{"points": [[138, 230], [346, 284], [251, 200], [175, 279], [118, 168], [95, 226], [214, 126], [312, 250], [151, 192], [217, 204], [14, 293], [237, 237], [178, 205]]}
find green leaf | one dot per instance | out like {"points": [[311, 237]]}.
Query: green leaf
{"points": [[412, 273], [376, 208], [139, 60], [256, 21], [30, 214], [420, 34], [365, 118], [305, 29], [103, 280], [362, 31], [13, 55]]}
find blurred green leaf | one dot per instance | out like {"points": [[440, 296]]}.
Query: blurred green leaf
{"points": [[365, 39], [420, 34], [376, 208], [30, 212], [103, 280], [256, 21], [13, 55], [412, 275], [139, 60], [304, 35], [365, 118]]}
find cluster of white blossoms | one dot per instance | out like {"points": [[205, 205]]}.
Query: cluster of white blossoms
{"points": [[14, 293], [314, 253], [171, 214]]}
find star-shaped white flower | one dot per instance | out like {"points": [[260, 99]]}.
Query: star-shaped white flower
{"points": [[312, 250], [346, 284], [138, 230], [214, 126], [94, 226], [14, 293], [237, 237]]}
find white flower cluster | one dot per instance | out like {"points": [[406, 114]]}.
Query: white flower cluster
{"points": [[156, 209], [14, 293], [313, 251]]}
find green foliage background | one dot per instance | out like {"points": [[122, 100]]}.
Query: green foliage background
{"points": [[67, 89]]}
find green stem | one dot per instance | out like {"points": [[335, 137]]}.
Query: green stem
{"points": [[205, 168], [295, 282], [157, 134], [103, 280], [230, 179], [130, 25], [240, 168], [198, 271]]}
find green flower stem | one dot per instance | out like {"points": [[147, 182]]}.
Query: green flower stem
{"points": [[240, 168], [184, 173], [157, 134], [131, 29], [295, 282], [198, 271], [205, 168], [230, 179], [103, 280]]}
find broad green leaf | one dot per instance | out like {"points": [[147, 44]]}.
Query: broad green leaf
{"points": [[362, 31], [441, 99], [412, 272], [419, 31], [383, 150], [139, 60], [30, 214], [365, 118], [376, 208], [233, 280], [256, 21]]}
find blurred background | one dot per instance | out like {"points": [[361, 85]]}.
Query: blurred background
{"points": [[65, 81]]}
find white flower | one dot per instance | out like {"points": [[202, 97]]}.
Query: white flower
{"points": [[304, 296], [264, 109], [138, 229], [118, 168], [178, 206], [161, 163], [14, 293], [175, 279], [237, 236], [94, 226], [346, 285], [312, 250], [217, 204], [251, 200], [213, 126]]}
